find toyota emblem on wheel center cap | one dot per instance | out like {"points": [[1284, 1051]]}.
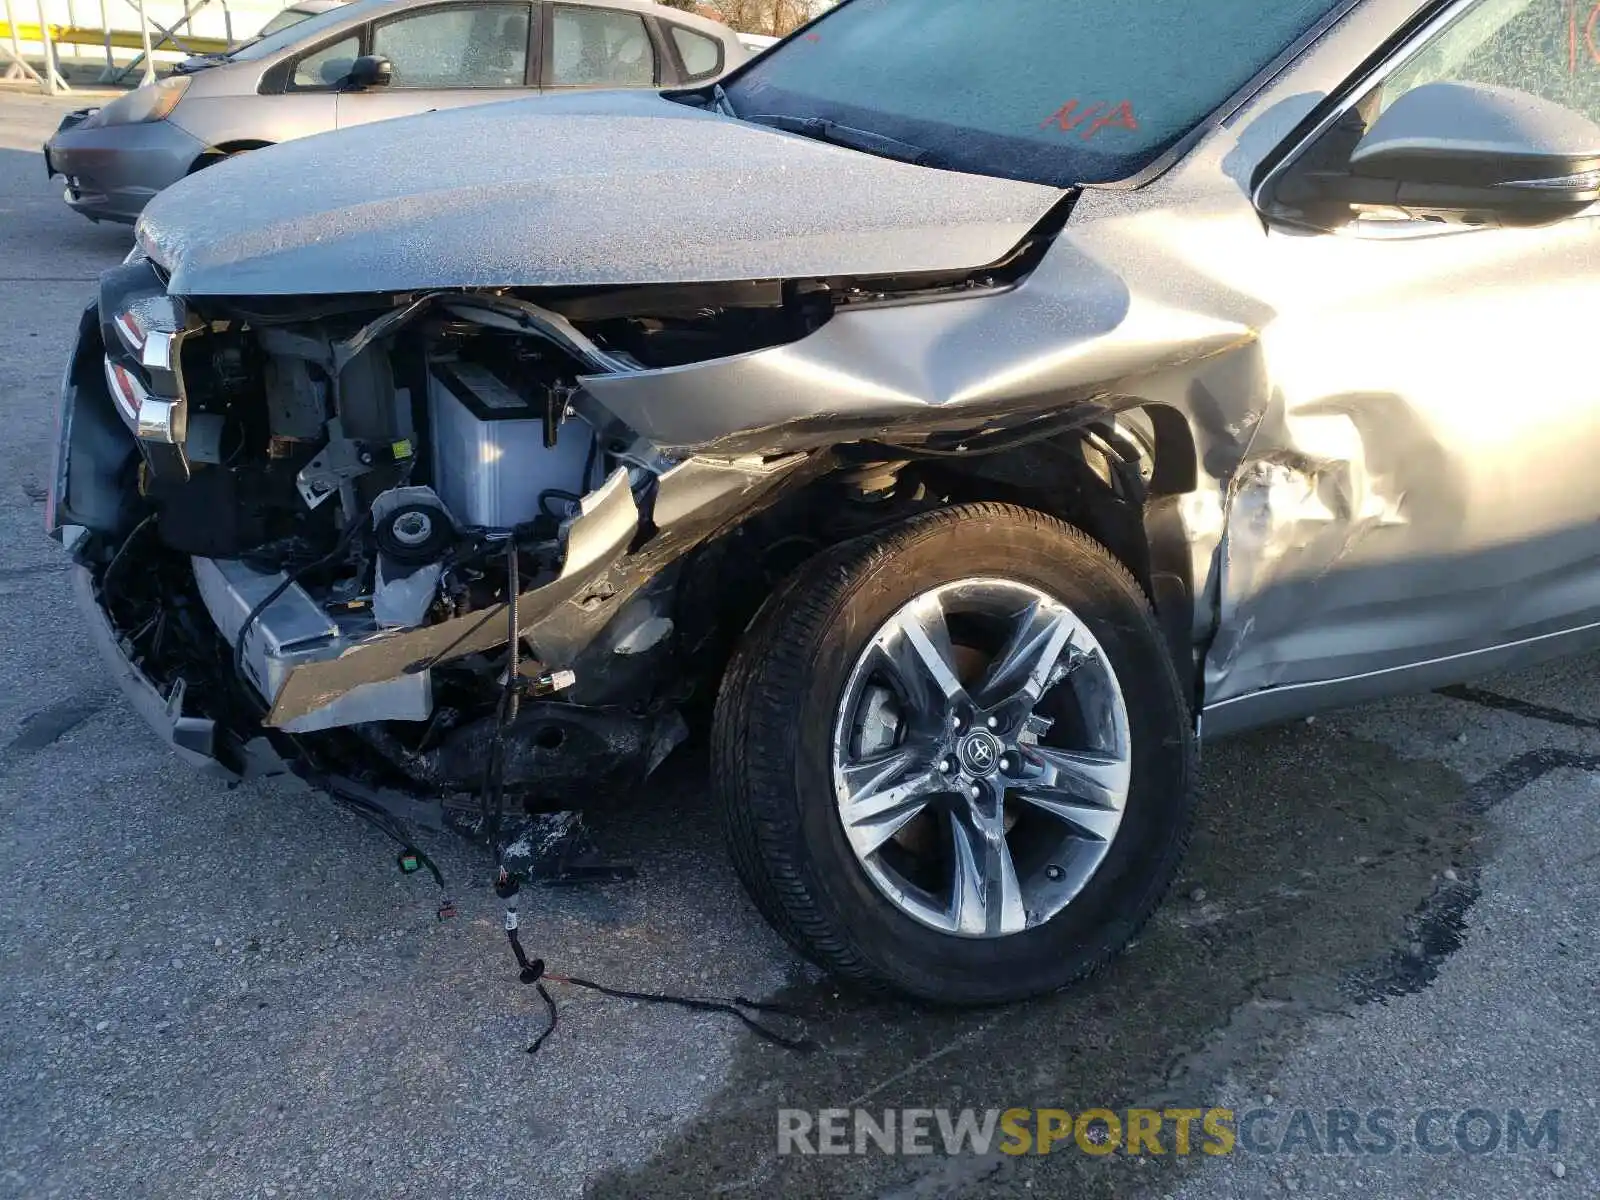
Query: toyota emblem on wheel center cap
{"points": [[980, 752]]}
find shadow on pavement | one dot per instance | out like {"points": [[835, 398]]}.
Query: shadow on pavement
{"points": [[1313, 856], [41, 239]]}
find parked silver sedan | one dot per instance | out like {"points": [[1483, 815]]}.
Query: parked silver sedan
{"points": [[368, 61]]}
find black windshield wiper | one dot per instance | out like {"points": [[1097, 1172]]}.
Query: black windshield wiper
{"points": [[845, 135]]}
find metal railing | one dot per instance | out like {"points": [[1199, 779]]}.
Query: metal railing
{"points": [[150, 37], [18, 67]]}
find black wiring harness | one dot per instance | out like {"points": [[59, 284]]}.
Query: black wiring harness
{"points": [[346, 536], [492, 796], [532, 971], [492, 808]]}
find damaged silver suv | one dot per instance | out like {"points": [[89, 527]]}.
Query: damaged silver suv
{"points": [[954, 409]]}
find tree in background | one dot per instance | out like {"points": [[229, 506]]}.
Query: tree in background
{"points": [[773, 17], [698, 7]]}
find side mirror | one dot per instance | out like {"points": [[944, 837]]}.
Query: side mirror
{"points": [[368, 71], [1464, 154]]}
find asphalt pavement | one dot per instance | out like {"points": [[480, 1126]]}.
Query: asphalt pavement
{"points": [[225, 992]]}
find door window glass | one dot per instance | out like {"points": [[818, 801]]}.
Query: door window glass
{"points": [[1550, 48], [457, 47], [702, 56], [600, 47], [326, 68]]}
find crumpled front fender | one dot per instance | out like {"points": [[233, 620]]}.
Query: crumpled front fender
{"points": [[904, 370]]}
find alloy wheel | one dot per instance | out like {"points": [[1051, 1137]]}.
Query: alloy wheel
{"points": [[981, 758]]}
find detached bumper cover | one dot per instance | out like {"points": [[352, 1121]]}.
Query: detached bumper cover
{"points": [[195, 739]]}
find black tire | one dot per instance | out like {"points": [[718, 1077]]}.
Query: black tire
{"points": [[771, 748]]}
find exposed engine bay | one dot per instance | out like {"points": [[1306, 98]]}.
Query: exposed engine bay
{"points": [[340, 510]]}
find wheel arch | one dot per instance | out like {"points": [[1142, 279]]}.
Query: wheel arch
{"points": [[215, 154], [1121, 482], [1118, 482]]}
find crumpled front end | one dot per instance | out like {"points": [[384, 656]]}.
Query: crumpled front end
{"points": [[142, 621], [355, 499], [308, 532]]}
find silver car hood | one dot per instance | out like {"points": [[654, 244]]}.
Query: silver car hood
{"points": [[597, 188]]}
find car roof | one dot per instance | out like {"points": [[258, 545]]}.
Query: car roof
{"points": [[361, 10], [338, 19]]}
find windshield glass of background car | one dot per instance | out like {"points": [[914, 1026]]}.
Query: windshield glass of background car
{"points": [[1056, 91], [303, 32], [288, 17]]}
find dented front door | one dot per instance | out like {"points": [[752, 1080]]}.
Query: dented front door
{"points": [[1424, 482]]}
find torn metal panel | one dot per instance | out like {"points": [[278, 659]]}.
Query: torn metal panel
{"points": [[609, 519], [1070, 332], [1373, 448], [292, 630], [693, 501]]}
